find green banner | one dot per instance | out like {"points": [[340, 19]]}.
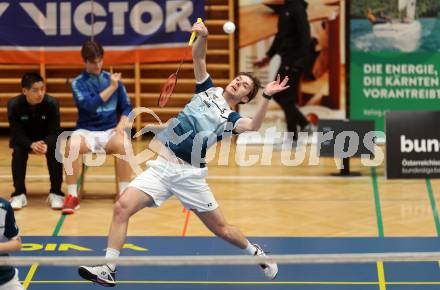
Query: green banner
{"points": [[394, 58]]}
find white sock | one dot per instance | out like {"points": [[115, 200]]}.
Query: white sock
{"points": [[250, 249], [111, 253], [72, 189], [123, 185]]}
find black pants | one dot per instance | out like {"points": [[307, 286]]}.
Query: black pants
{"points": [[19, 162], [287, 99]]}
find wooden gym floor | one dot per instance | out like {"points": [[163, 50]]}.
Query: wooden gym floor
{"points": [[297, 209], [262, 200]]}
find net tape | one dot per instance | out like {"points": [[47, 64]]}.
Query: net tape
{"points": [[226, 260]]}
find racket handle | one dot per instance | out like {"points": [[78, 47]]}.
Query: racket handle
{"points": [[193, 34]]}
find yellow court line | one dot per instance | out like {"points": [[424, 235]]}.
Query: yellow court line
{"points": [[414, 283], [217, 282], [30, 275], [381, 276], [242, 282]]}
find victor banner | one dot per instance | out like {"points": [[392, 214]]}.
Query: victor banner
{"points": [[52, 32]]}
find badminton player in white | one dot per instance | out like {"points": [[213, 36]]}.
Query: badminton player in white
{"points": [[180, 169]]}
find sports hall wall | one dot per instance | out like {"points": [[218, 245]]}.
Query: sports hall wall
{"points": [[144, 69]]}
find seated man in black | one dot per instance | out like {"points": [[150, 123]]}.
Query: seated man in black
{"points": [[34, 119]]}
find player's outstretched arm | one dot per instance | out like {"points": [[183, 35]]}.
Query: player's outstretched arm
{"points": [[248, 124], [199, 51], [11, 246]]}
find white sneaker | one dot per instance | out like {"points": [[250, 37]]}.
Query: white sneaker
{"points": [[56, 201], [269, 269], [18, 201], [101, 275]]}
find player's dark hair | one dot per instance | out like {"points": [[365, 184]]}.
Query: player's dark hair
{"points": [[91, 50], [28, 79]]}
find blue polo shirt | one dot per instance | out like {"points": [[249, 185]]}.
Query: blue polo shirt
{"points": [[93, 113]]}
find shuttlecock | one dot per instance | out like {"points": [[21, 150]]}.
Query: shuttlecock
{"points": [[229, 27]]}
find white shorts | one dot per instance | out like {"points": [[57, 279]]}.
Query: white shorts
{"points": [[96, 140], [13, 284], [163, 179]]}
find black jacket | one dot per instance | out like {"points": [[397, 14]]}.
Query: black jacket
{"points": [[33, 123], [292, 42]]}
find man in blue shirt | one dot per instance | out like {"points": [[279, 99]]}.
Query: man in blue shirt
{"points": [[9, 242], [180, 169], [100, 98]]}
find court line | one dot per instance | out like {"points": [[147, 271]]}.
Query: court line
{"points": [[212, 177], [81, 178], [379, 264], [58, 226], [185, 225], [216, 282], [433, 205], [33, 269], [29, 276], [377, 202], [243, 282], [282, 177], [381, 275]]}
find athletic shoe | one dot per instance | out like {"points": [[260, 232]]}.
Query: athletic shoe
{"points": [[56, 201], [18, 201], [71, 204], [101, 275], [269, 269]]}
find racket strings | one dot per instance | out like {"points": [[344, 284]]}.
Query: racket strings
{"points": [[167, 90]]}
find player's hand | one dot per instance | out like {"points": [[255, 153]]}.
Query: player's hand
{"points": [[200, 28], [276, 86], [114, 79], [120, 129], [262, 62], [39, 147]]}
